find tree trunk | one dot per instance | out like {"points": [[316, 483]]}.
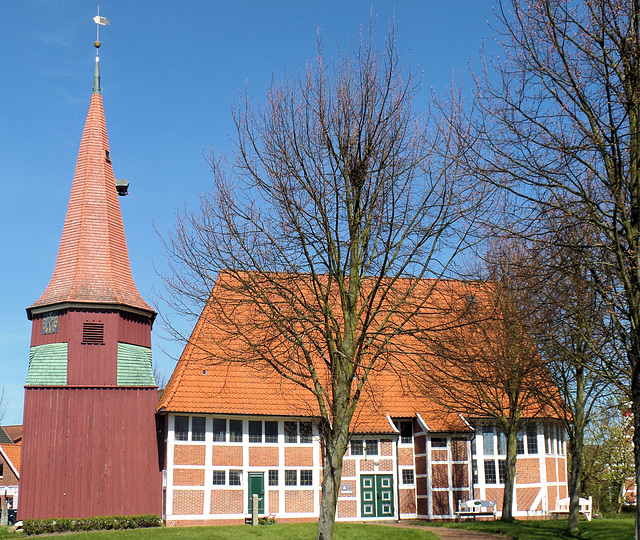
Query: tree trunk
{"points": [[335, 447], [577, 452], [509, 481], [575, 483], [635, 394]]}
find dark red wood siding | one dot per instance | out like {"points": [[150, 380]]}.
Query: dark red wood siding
{"points": [[89, 452]]}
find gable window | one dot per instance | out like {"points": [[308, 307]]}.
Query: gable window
{"points": [[406, 431], [181, 429], [219, 430], [255, 431], [198, 428]]}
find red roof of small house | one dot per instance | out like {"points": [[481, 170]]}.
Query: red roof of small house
{"points": [[209, 379], [93, 263], [14, 432], [11, 453]]}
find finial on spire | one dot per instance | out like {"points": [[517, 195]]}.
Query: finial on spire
{"points": [[100, 21]]}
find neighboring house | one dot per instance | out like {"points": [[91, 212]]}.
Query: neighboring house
{"points": [[235, 429], [9, 473], [14, 433]]}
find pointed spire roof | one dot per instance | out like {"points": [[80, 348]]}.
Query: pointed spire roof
{"points": [[93, 262]]}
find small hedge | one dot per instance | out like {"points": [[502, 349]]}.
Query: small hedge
{"points": [[100, 523]]}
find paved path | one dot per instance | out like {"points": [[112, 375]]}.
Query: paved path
{"points": [[450, 534]]}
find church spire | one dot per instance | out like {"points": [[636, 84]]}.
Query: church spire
{"points": [[93, 263]]}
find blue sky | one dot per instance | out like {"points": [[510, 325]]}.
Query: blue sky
{"points": [[170, 72]]}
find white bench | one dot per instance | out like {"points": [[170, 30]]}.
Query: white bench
{"points": [[562, 508], [474, 508]]}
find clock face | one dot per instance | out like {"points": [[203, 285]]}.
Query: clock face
{"points": [[50, 324]]}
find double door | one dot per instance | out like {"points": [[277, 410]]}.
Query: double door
{"points": [[376, 495]]}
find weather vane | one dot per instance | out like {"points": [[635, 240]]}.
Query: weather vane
{"points": [[100, 21]]}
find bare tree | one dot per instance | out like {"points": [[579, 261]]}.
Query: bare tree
{"points": [[336, 191], [557, 125], [494, 371], [3, 405]]}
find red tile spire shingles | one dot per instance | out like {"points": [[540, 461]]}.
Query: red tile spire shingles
{"points": [[93, 262]]}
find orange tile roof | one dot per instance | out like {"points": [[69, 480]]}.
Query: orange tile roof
{"points": [[12, 452], [209, 379], [93, 262]]}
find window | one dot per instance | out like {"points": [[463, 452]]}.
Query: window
{"points": [[502, 470], [306, 478], [532, 438], [407, 476], [371, 447], [488, 445], [255, 431], [406, 432], [489, 471], [235, 478], [357, 447], [218, 478], [291, 432], [438, 442], [502, 442], [181, 428], [198, 428], [1, 470], [520, 443], [305, 432], [290, 478], [273, 477], [270, 432], [235, 430], [219, 429]]}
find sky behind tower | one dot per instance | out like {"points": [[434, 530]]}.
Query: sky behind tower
{"points": [[170, 72]]}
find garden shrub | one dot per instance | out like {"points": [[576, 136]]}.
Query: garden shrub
{"points": [[98, 523]]}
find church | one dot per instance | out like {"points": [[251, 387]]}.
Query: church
{"points": [[97, 441]]}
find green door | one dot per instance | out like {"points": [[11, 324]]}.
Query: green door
{"points": [[256, 485], [384, 494], [376, 493]]}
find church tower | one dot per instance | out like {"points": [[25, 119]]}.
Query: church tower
{"points": [[89, 444]]}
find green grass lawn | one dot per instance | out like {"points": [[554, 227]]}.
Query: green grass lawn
{"points": [[284, 531], [598, 529]]}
